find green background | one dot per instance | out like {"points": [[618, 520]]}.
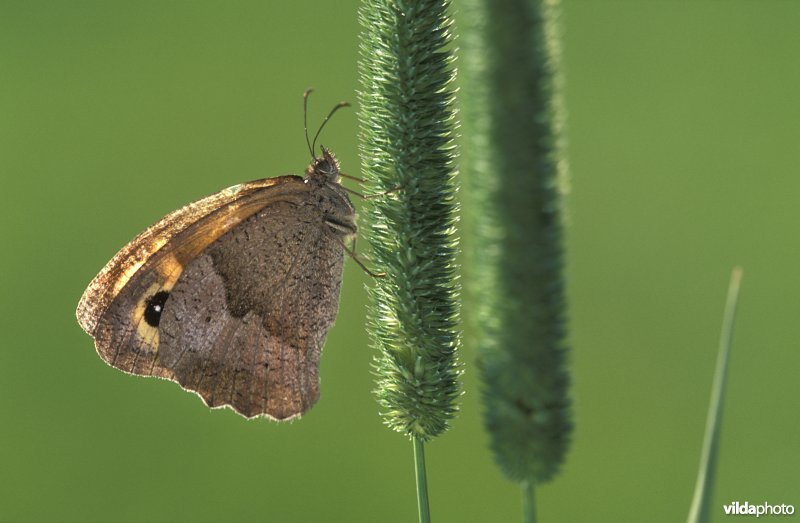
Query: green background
{"points": [[683, 129]]}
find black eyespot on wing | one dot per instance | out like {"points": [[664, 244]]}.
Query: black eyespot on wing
{"points": [[154, 306]]}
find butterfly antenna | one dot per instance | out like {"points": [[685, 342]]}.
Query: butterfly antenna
{"points": [[335, 108], [305, 121]]}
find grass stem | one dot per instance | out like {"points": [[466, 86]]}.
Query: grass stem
{"points": [[422, 481], [701, 501]]}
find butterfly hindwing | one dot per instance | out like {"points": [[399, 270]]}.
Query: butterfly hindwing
{"points": [[231, 330]]}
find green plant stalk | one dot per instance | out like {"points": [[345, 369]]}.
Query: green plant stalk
{"points": [[701, 501], [406, 125], [528, 503], [422, 481], [514, 175]]}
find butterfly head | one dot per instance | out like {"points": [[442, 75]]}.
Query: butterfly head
{"points": [[324, 169]]}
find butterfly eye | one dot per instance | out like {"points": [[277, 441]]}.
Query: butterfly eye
{"points": [[154, 306]]}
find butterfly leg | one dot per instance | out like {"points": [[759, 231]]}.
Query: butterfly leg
{"points": [[352, 254], [370, 196]]}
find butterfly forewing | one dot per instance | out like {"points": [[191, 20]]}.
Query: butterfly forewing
{"points": [[231, 296]]}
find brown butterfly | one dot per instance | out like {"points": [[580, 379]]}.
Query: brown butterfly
{"points": [[232, 296]]}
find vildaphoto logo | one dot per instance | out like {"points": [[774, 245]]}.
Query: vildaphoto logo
{"points": [[764, 509]]}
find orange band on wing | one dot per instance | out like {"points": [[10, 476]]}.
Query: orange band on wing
{"points": [[182, 234]]}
